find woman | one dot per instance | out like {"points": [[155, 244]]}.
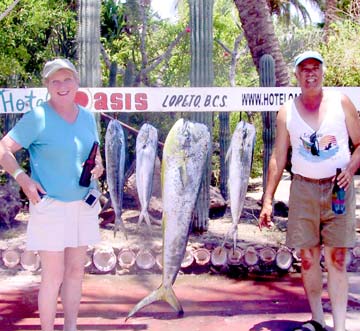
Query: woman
{"points": [[59, 135]]}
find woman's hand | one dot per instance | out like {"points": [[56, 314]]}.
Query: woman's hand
{"points": [[32, 189], [98, 170]]}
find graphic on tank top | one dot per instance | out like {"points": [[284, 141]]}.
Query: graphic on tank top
{"points": [[315, 147]]}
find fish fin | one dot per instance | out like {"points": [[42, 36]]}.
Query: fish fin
{"points": [[172, 300], [162, 293], [119, 224], [183, 175]]}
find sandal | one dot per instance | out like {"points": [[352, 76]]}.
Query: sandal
{"points": [[310, 326]]}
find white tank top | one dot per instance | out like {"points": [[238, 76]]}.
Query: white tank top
{"points": [[318, 154]]}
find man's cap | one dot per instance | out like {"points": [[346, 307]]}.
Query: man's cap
{"points": [[53, 66], [308, 55]]}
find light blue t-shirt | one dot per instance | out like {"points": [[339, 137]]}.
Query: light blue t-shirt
{"points": [[57, 149]]}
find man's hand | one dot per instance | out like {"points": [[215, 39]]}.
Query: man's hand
{"points": [[265, 218]]}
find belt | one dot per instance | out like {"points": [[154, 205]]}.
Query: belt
{"points": [[314, 180]]}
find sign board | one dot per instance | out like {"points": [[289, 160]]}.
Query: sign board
{"points": [[166, 99]]}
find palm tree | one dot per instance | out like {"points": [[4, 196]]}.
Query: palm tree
{"points": [[330, 16], [284, 9], [259, 31]]}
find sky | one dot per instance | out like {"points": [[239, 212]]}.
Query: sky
{"points": [[166, 9]]}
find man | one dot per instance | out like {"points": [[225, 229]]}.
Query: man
{"points": [[317, 125]]}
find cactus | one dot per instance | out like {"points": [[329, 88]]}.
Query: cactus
{"points": [[267, 79], [89, 43], [202, 74], [224, 139]]}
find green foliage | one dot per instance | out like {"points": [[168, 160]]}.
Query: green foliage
{"points": [[341, 55], [27, 38], [295, 39], [37, 30], [112, 20]]}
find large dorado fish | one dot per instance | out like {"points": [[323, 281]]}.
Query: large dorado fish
{"points": [[146, 148], [239, 157], [115, 169], [186, 152]]}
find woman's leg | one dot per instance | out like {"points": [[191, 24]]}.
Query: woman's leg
{"points": [[72, 285], [52, 271]]}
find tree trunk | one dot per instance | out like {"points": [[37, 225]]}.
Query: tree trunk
{"points": [[330, 15], [259, 31], [202, 74]]}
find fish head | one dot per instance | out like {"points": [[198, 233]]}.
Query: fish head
{"points": [[244, 134], [185, 137], [114, 136], [114, 129], [147, 135], [186, 150]]}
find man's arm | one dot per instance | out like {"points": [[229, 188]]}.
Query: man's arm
{"points": [[276, 167], [353, 126]]}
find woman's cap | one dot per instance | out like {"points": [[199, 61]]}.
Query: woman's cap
{"points": [[53, 66], [308, 55]]}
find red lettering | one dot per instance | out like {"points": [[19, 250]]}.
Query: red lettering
{"points": [[100, 102], [116, 100], [121, 101], [128, 101], [141, 101]]}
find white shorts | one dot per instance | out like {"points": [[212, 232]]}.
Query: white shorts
{"points": [[54, 225]]}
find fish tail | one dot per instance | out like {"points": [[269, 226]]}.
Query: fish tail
{"points": [[144, 216], [119, 224], [166, 294], [231, 233], [141, 218], [235, 235]]}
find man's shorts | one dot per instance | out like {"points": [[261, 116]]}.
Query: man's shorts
{"points": [[312, 222]]}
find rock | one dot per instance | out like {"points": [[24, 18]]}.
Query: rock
{"points": [[10, 203]]}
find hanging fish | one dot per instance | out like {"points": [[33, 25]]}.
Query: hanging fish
{"points": [[115, 169], [185, 155], [239, 157], [146, 148]]}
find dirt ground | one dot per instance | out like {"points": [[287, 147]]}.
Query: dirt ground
{"points": [[211, 301], [142, 238]]}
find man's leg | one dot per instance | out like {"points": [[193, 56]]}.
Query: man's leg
{"points": [[312, 281], [337, 284], [72, 285]]}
